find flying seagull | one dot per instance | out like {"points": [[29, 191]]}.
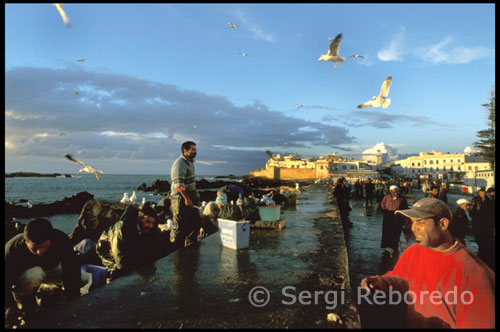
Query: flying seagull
{"points": [[381, 99], [270, 154], [356, 56], [243, 53], [81, 60], [77, 93], [299, 105], [333, 51], [86, 168], [232, 25], [63, 14]]}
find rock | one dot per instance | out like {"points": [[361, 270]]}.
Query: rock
{"points": [[69, 205], [161, 186], [142, 187]]}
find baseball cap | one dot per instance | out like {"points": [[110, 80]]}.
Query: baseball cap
{"points": [[427, 208], [462, 201]]}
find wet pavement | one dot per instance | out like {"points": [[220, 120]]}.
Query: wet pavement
{"points": [[289, 278]]}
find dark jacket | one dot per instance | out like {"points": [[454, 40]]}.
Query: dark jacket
{"points": [[443, 195], [482, 214], [18, 259], [123, 247], [458, 225]]}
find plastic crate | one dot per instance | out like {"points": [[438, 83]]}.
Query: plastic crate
{"points": [[234, 234], [269, 213]]}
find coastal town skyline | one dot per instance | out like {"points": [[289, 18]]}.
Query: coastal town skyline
{"points": [[126, 84]]}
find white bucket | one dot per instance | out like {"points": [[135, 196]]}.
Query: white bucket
{"points": [[234, 234]]}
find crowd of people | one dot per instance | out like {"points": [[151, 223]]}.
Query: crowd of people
{"points": [[145, 233], [438, 263]]}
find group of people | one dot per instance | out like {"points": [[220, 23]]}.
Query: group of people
{"points": [[437, 265]]}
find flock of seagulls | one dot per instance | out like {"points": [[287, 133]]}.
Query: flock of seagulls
{"points": [[333, 56], [131, 200]]}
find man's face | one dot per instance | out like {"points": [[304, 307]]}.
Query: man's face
{"points": [[434, 192], [394, 192], [482, 194], [38, 249], [147, 223], [427, 233], [191, 152], [464, 206]]}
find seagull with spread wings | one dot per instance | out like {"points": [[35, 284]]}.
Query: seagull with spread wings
{"points": [[86, 168], [333, 51], [232, 25], [299, 105], [62, 13], [357, 56], [381, 99]]}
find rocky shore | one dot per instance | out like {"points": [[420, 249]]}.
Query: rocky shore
{"points": [[31, 174]]}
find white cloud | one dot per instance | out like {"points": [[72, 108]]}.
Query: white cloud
{"points": [[438, 53], [257, 31], [394, 51]]}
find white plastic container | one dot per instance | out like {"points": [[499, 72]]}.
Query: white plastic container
{"points": [[234, 234], [269, 213]]}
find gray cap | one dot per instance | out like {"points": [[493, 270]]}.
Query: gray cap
{"points": [[427, 208]]}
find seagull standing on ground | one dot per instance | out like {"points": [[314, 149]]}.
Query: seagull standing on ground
{"points": [[143, 200], [86, 168], [381, 99], [63, 14], [333, 51], [125, 198], [133, 198]]}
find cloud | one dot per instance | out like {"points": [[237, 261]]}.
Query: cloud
{"points": [[385, 120], [440, 53], [395, 50], [247, 23], [149, 123]]}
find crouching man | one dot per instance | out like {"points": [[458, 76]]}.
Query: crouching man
{"points": [[131, 242], [438, 281], [33, 257]]}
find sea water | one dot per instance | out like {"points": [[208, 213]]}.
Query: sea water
{"points": [[110, 187]]}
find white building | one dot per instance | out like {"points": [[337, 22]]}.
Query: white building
{"points": [[449, 166]]}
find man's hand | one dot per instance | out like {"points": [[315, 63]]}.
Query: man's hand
{"points": [[11, 317], [374, 284]]}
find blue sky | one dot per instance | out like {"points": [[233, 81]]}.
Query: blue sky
{"points": [[156, 75]]}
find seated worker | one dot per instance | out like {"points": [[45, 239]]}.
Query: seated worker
{"points": [[32, 258], [213, 208], [443, 284], [132, 241]]}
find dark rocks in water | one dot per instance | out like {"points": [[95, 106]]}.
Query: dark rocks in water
{"points": [[68, 205], [160, 186], [32, 174]]}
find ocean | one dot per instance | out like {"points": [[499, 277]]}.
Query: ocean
{"points": [[45, 190]]}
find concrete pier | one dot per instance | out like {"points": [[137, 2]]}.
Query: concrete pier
{"points": [[288, 278]]}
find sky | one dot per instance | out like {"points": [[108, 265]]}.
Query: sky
{"points": [[157, 75]]}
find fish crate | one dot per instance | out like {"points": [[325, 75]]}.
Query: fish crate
{"points": [[279, 224], [269, 213], [234, 234]]}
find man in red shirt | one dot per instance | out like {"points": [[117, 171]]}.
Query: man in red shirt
{"points": [[440, 282]]}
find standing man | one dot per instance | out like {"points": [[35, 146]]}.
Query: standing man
{"points": [[458, 226], [443, 193], [392, 225], [342, 200], [185, 198], [369, 187], [482, 212]]}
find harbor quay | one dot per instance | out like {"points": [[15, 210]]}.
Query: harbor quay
{"points": [[295, 277]]}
